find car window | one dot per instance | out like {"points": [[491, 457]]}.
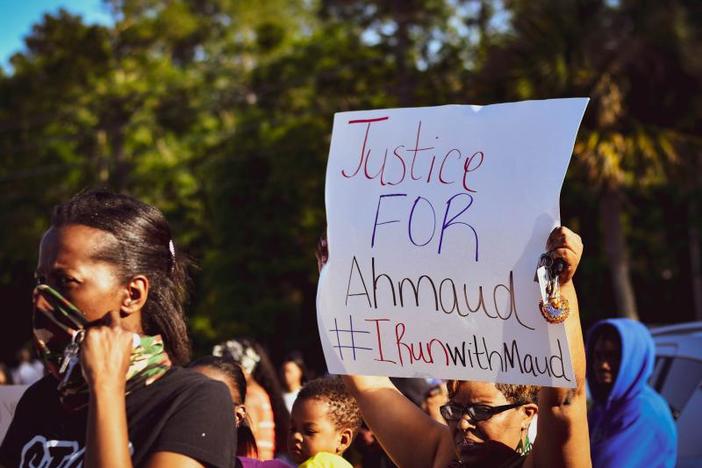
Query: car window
{"points": [[681, 379], [660, 371]]}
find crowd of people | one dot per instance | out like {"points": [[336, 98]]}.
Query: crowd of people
{"points": [[118, 386]]}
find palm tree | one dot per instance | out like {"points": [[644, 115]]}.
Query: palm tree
{"points": [[613, 53]]}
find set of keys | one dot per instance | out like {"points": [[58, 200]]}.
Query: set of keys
{"points": [[70, 355], [554, 308]]}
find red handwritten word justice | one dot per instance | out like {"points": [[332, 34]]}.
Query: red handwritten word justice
{"points": [[402, 155]]}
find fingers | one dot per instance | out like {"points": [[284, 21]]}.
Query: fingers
{"points": [[561, 236], [322, 251], [566, 245], [105, 356]]}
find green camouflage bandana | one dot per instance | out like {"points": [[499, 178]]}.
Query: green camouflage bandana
{"points": [[59, 328]]}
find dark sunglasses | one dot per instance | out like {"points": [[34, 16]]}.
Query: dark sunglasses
{"points": [[454, 412]]}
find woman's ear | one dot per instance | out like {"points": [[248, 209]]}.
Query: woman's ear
{"points": [[137, 291], [529, 410], [345, 439]]}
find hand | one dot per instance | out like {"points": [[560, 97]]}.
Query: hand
{"points": [[565, 244], [105, 355], [322, 251], [433, 400]]}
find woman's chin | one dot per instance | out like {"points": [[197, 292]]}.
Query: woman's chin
{"points": [[469, 450], [490, 452]]}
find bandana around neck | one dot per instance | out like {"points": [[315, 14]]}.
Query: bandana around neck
{"points": [[59, 328]]}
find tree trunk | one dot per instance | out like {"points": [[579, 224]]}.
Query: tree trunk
{"points": [[617, 254], [405, 83]]}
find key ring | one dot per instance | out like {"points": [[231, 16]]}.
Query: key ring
{"points": [[553, 307]]}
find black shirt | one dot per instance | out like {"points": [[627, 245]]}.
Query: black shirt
{"points": [[182, 412]]}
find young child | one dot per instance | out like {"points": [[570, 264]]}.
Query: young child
{"points": [[324, 421], [231, 374]]}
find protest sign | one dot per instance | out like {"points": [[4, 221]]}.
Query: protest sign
{"points": [[9, 397], [436, 219]]}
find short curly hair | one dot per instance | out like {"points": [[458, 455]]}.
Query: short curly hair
{"points": [[512, 392], [343, 409]]}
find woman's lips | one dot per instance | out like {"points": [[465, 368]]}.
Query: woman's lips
{"points": [[467, 445]]}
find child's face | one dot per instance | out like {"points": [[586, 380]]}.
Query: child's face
{"points": [[312, 430]]}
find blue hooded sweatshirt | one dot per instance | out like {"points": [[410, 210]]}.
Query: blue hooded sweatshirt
{"points": [[633, 426]]}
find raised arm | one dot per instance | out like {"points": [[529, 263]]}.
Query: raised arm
{"points": [[105, 358], [406, 433], [563, 438]]}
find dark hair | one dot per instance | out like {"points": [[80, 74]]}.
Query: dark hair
{"points": [[264, 374], [143, 246], [513, 393], [230, 370], [343, 408], [296, 358], [245, 441]]}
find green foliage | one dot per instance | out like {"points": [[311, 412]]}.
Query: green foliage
{"points": [[219, 112]]}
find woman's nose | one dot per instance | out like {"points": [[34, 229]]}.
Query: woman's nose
{"points": [[464, 423]]}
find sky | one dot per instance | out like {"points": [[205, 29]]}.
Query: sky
{"points": [[18, 16]]}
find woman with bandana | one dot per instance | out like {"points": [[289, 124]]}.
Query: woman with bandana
{"points": [[488, 423], [109, 323]]}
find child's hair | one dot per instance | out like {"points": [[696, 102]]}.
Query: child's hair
{"points": [[245, 440], [343, 409]]}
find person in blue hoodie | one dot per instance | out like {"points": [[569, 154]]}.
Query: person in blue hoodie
{"points": [[630, 424]]}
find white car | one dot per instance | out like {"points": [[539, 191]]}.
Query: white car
{"points": [[677, 376]]}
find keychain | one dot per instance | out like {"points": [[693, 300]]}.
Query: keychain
{"points": [[70, 354], [553, 307]]}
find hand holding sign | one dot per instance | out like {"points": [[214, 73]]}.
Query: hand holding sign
{"points": [[565, 244]]}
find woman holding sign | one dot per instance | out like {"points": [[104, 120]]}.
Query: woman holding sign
{"points": [[108, 322], [487, 422]]}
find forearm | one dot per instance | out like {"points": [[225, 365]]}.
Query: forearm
{"points": [[562, 424], [107, 439], [553, 396], [398, 423]]}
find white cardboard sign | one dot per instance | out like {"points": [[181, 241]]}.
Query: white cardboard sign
{"points": [[436, 219], [9, 397]]}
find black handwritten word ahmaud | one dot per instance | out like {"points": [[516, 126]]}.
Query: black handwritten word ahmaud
{"points": [[444, 294], [473, 353], [456, 207], [441, 166]]}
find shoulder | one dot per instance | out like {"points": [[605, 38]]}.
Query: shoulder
{"points": [[657, 410], [44, 387], [186, 383], [24, 404], [39, 396], [191, 415]]}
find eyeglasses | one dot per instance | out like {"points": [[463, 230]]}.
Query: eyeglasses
{"points": [[454, 412]]}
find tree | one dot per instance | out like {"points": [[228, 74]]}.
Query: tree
{"points": [[614, 54]]}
